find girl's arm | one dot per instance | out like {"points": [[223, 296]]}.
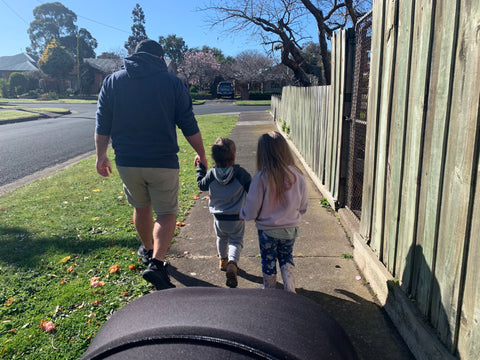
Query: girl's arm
{"points": [[254, 200], [304, 201]]}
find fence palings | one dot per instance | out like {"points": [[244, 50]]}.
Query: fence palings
{"points": [[436, 127], [306, 112], [424, 225], [395, 246], [461, 165]]}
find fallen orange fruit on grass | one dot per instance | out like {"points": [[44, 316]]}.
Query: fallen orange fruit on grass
{"points": [[114, 268]]}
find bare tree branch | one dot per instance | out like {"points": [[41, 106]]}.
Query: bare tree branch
{"points": [[280, 24]]}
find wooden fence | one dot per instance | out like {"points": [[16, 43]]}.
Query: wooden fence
{"points": [[315, 116], [297, 108], [421, 201], [421, 194]]}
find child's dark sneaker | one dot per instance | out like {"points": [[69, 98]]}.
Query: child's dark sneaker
{"points": [[232, 274], [145, 255], [156, 274], [222, 264]]}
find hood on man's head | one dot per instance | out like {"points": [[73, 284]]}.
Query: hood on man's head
{"points": [[149, 46]]}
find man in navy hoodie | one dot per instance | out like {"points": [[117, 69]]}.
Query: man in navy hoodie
{"points": [[139, 108]]}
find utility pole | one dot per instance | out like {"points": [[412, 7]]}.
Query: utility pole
{"points": [[78, 61]]}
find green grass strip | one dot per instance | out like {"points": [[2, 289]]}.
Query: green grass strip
{"points": [[17, 115], [59, 233], [253, 102], [66, 101], [49, 109]]}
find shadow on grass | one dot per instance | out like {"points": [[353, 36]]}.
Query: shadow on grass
{"points": [[20, 248]]}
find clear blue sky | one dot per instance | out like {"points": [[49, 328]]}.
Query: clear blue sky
{"points": [[109, 22]]}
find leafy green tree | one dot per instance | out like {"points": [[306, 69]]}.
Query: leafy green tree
{"points": [[174, 48], [4, 88], [108, 55], [51, 21], [138, 29], [18, 83], [56, 61], [118, 53], [312, 54], [84, 42]]}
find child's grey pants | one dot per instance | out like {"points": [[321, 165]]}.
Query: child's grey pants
{"points": [[229, 238]]}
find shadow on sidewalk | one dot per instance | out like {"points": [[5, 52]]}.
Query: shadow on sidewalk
{"points": [[186, 280]]}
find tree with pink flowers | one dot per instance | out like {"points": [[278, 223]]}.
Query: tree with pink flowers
{"points": [[200, 68]]}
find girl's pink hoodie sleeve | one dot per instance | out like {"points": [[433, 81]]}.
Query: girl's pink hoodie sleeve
{"points": [[254, 200], [304, 203]]}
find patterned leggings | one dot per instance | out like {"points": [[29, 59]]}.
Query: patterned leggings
{"points": [[272, 249]]}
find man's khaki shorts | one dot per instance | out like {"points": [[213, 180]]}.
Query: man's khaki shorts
{"points": [[151, 186]]}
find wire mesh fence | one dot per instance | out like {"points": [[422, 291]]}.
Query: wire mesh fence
{"points": [[357, 123]]}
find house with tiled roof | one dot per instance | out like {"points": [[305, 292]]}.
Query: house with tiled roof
{"points": [[17, 63], [104, 67], [101, 68]]}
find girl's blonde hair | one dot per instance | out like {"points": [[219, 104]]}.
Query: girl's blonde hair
{"points": [[274, 159]]}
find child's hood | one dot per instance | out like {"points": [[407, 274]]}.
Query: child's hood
{"points": [[223, 175]]}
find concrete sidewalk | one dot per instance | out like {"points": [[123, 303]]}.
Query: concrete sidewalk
{"points": [[322, 273]]}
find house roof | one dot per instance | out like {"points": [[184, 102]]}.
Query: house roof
{"points": [[107, 66], [19, 62]]}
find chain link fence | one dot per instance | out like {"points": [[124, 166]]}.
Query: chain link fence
{"points": [[357, 123]]}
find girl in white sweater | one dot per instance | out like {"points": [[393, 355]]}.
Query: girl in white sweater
{"points": [[276, 200]]}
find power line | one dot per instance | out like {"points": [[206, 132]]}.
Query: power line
{"points": [[94, 21], [17, 14], [98, 22]]}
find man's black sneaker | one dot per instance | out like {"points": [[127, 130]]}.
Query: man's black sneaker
{"points": [[156, 273], [145, 255]]}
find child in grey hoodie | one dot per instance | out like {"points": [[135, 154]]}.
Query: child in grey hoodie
{"points": [[228, 185]]}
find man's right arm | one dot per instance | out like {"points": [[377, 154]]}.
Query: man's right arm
{"points": [[103, 125], [104, 167]]}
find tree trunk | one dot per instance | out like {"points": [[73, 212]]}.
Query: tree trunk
{"points": [[297, 64], [244, 95], [326, 61]]}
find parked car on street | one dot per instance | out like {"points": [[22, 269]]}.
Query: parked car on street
{"points": [[225, 88]]}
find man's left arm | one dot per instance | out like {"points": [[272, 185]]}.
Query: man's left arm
{"points": [[185, 120], [197, 144]]}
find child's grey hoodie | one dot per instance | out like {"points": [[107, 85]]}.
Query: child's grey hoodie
{"points": [[228, 189]]}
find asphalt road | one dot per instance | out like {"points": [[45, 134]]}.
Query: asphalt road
{"points": [[34, 148]]}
